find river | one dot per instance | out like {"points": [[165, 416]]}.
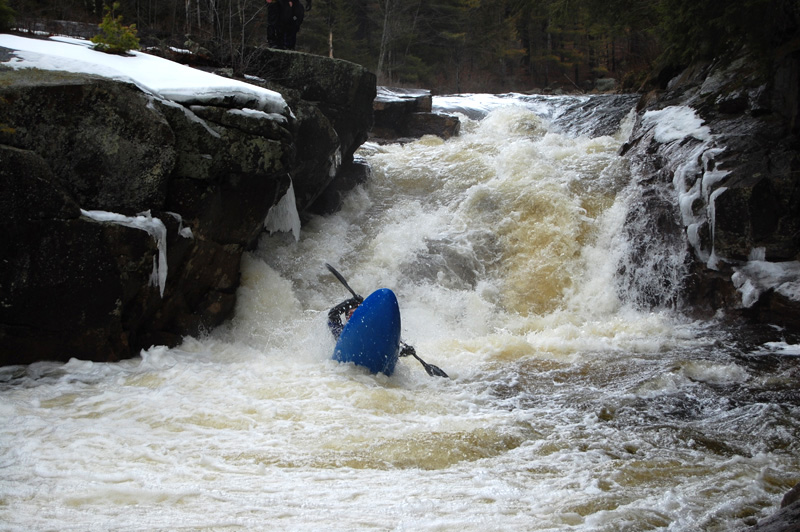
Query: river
{"points": [[568, 407]]}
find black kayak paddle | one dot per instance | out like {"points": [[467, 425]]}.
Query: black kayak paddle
{"points": [[341, 280], [433, 371]]}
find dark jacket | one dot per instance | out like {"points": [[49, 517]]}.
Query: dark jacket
{"points": [[335, 315]]}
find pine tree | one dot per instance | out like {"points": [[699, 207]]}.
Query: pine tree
{"points": [[6, 16], [114, 38]]}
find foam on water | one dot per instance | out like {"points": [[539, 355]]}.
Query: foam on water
{"points": [[568, 407]]}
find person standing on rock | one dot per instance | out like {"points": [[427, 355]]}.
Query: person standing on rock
{"points": [[293, 14], [284, 18], [275, 23]]}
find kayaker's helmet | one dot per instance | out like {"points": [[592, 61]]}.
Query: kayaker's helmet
{"points": [[353, 304]]}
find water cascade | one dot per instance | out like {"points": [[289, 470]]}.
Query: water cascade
{"points": [[580, 397]]}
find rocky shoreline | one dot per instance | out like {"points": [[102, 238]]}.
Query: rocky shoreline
{"points": [[190, 186], [737, 184], [736, 231]]}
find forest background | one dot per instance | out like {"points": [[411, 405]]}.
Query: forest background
{"points": [[454, 46]]}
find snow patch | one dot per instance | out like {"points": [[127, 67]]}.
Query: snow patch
{"points": [[676, 123], [336, 163], [154, 75], [185, 232]]}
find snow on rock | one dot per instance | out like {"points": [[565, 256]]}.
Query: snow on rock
{"points": [[699, 177], [163, 78], [757, 276], [145, 222], [676, 123]]}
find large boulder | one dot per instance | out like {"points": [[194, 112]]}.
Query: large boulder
{"points": [[335, 99], [105, 143], [63, 294], [103, 182]]}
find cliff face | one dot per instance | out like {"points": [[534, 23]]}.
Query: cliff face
{"points": [[733, 163], [127, 214]]}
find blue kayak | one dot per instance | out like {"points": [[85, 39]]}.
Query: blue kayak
{"points": [[371, 338]]}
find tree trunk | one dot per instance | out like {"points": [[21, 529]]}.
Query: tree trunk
{"points": [[384, 40]]}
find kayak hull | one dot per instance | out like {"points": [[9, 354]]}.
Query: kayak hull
{"points": [[371, 338]]}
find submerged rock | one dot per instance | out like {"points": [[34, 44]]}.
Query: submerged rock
{"points": [[786, 519]]}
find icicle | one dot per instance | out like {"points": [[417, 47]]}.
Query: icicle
{"points": [[713, 261], [283, 215], [336, 163], [185, 232], [145, 222]]}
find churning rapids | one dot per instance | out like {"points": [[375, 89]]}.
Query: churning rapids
{"points": [[568, 407]]}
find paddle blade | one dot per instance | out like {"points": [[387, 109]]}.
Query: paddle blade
{"points": [[341, 279], [435, 371]]}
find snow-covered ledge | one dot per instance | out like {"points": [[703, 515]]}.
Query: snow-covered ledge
{"points": [[160, 77]]}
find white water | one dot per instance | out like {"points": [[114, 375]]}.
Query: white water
{"points": [[567, 407]]}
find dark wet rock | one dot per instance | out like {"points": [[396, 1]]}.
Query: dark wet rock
{"points": [[318, 161], [349, 177], [332, 100], [594, 115], [787, 519], [406, 113], [341, 90], [439, 124]]}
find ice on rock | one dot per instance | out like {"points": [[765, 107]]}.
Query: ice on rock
{"points": [[283, 215], [143, 221]]}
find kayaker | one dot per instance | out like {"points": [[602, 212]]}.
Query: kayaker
{"points": [[347, 308], [335, 314]]}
